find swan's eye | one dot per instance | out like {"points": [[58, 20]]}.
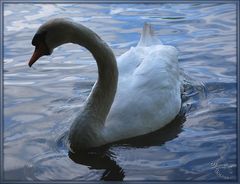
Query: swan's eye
{"points": [[38, 38], [39, 42]]}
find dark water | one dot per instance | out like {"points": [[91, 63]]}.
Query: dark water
{"points": [[40, 103]]}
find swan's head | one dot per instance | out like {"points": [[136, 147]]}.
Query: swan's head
{"points": [[49, 36]]}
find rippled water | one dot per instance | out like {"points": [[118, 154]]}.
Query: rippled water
{"points": [[40, 103]]}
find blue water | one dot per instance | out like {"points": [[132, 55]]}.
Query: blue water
{"points": [[40, 102]]}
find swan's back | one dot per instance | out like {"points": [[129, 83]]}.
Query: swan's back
{"points": [[148, 93]]}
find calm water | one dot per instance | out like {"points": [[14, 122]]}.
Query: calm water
{"points": [[40, 102]]}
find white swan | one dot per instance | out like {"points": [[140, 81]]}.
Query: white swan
{"points": [[144, 98]]}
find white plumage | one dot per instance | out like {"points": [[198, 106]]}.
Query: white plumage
{"points": [[148, 93]]}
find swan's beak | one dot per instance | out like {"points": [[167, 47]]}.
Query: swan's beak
{"points": [[40, 51]]}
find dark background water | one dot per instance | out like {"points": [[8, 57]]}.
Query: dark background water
{"points": [[40, 103]]}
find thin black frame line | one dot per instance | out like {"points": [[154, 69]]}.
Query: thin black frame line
{"points": [[113, 2]]}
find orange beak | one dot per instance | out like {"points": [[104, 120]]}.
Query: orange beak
{"points": [[40, 51]]}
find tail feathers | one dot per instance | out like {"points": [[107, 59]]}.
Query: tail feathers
{"points": [[148, 38]]}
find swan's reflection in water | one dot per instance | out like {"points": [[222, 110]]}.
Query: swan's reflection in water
{"points": [[103, 158], [100, 159]]}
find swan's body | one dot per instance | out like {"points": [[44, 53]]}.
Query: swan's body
{"points": [[144, 98], [148, 92]]}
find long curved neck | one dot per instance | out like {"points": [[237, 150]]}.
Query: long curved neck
{"points": [[99, 101]]}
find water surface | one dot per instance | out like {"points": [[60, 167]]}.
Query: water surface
{"points": [[40, 102]]}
